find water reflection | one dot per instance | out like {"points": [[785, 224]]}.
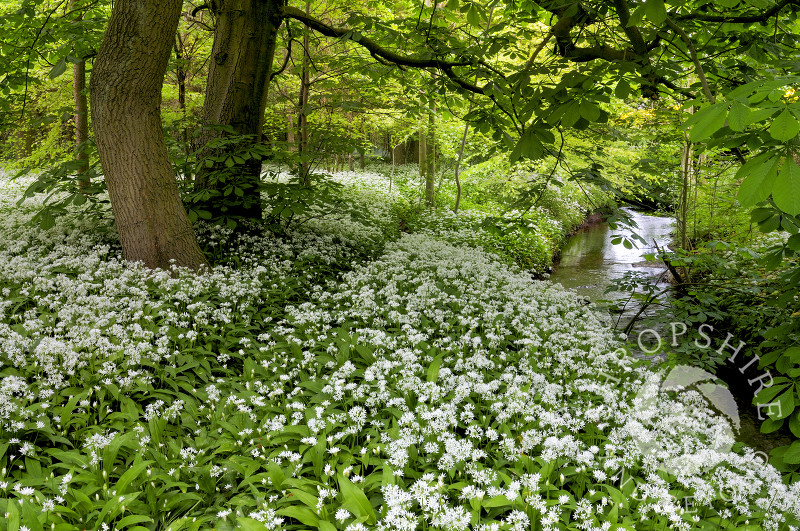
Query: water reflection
{"points": [[589, 260]]}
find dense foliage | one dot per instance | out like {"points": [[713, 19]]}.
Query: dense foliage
{"points": [[434, 386], [377, 349]]}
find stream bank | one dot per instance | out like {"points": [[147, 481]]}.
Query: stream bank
{"points": [[589, 262]]}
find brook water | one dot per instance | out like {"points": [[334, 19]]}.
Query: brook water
{"points": [[589, 262]]}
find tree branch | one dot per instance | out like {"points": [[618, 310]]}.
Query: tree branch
{"points": [[693, 53], [633, 33], [285, 60], [740, 19], [387, 55]]}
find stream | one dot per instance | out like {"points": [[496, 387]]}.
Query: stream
{"points": [[589, 262]]}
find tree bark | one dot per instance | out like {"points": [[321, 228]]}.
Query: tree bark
{"points": [[126, 97], [422, 153], [304, 168], [81, 116], [430, 160], [241, 63], [81, 122], [290, 142], [683, 204]]}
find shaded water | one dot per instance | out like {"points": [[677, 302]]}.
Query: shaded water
{"points": [[589, 262]]}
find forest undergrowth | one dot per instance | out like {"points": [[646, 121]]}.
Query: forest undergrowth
{"points": [[343, 375]]}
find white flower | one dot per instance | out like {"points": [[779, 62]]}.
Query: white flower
{"points": [[342, 515]]}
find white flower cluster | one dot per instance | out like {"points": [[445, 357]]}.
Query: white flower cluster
{"points": [[452, 389]]}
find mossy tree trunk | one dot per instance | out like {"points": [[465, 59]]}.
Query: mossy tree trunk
{"points": [[241, 64]]}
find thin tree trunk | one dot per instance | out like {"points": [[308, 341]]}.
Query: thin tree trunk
{"points": [[180, 78], [81, 117], [302, 118], [423, 153], [290, 132], [458, 165], [686, 174], [430, 161], [391, 175], [81, 122], [126, 87], [180, 73], [362, 157]]}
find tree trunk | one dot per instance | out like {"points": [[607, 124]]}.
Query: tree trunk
{"points": [[126, 98], [430, 160], [180, 79], [180, 72], [304, 168], [458, 163], [290, 132], [241, 63], [423, 153], [81, 122], [81, 116], [683, 204]]}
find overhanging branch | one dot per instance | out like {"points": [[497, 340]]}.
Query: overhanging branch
{"points": [[740, 19], [384, 54]]}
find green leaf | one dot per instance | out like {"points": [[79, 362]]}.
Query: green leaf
{"points": [[528, 147], [12, 515], [433, 368], [706, 122], [59, 68], [758, 180], [794, 424], [784, 127], [356, 501], [473, 17], [132, 473], [249, 524], [496, 501], [656, 11], [324, 525], [589, 111], [738, 116], [30, 516], [792, 455], [622, 90], [768, 393], [132, 519], [771, 426], [794, 242], [786, 401], [304, 515], [276, 475], [786, 190], [306, 498], [572, 113], [46, 219]]}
